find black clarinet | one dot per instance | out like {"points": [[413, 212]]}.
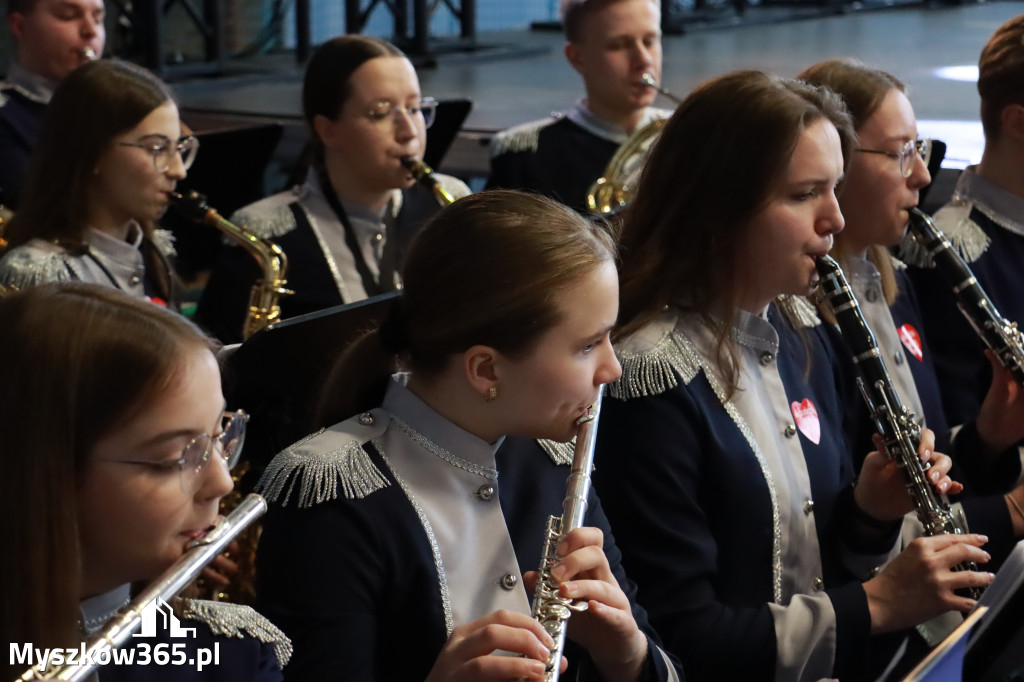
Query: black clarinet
{"points": [[996, 332], [901, 434]]}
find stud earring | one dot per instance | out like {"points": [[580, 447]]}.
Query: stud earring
{"points": [[491, 395]]}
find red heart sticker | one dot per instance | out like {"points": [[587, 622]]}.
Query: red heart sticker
{"points": [[912, 341], [806, 416]]}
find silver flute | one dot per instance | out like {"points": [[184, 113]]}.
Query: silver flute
{"points": [[549, 609], [197, 555]]}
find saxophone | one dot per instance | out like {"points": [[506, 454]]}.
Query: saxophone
{"points": [[895, 421], [996, 332], [551, 610], [117, 631], [424, 175], [264, 307]]}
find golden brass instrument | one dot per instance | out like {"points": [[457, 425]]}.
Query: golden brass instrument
{"points": [[551, 610], [264, 306], [616, 188], [120, 628], [241, 586], [5, 217], [424, 175], [613, 191]]}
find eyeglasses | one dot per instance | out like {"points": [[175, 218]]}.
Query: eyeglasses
{"points": [[227, 444], [922, 148], [385, 110], [163, 150]]}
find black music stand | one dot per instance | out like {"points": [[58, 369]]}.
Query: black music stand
{"points": [[451, 114], [278, 373], [228, 171]]}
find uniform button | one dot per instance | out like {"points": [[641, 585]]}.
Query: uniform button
{"points": [[899, 358], [790, 431], [366, 419], [378, 237], [808, 506], [485, 493], [872, 294], [135, 280], [767, 358], [508, 582], [819, 583]]}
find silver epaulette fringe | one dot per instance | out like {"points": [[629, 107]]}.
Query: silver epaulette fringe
{"points": [[657, 370], [267, 224], [317, 475], [969, 240], [234, 620], [560, 453], [164, 242], [521, 138], [912, 253], [800, 312], [966, 236], [22, 270]]}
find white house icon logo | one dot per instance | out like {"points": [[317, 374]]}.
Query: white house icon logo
{"points": [[159, 609]]}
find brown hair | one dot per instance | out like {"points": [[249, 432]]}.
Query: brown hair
{"points": [[326, 86], [79, 361], [91, 106], [716, 165], [1001, 74], [485, 270], [863, 88], [20, 6], [575, 12]]}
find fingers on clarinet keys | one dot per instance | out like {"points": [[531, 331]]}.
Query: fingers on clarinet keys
{"points": [[923, 580]]}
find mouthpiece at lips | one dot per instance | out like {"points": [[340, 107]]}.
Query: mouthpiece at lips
{"points": [[589, 416]]}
